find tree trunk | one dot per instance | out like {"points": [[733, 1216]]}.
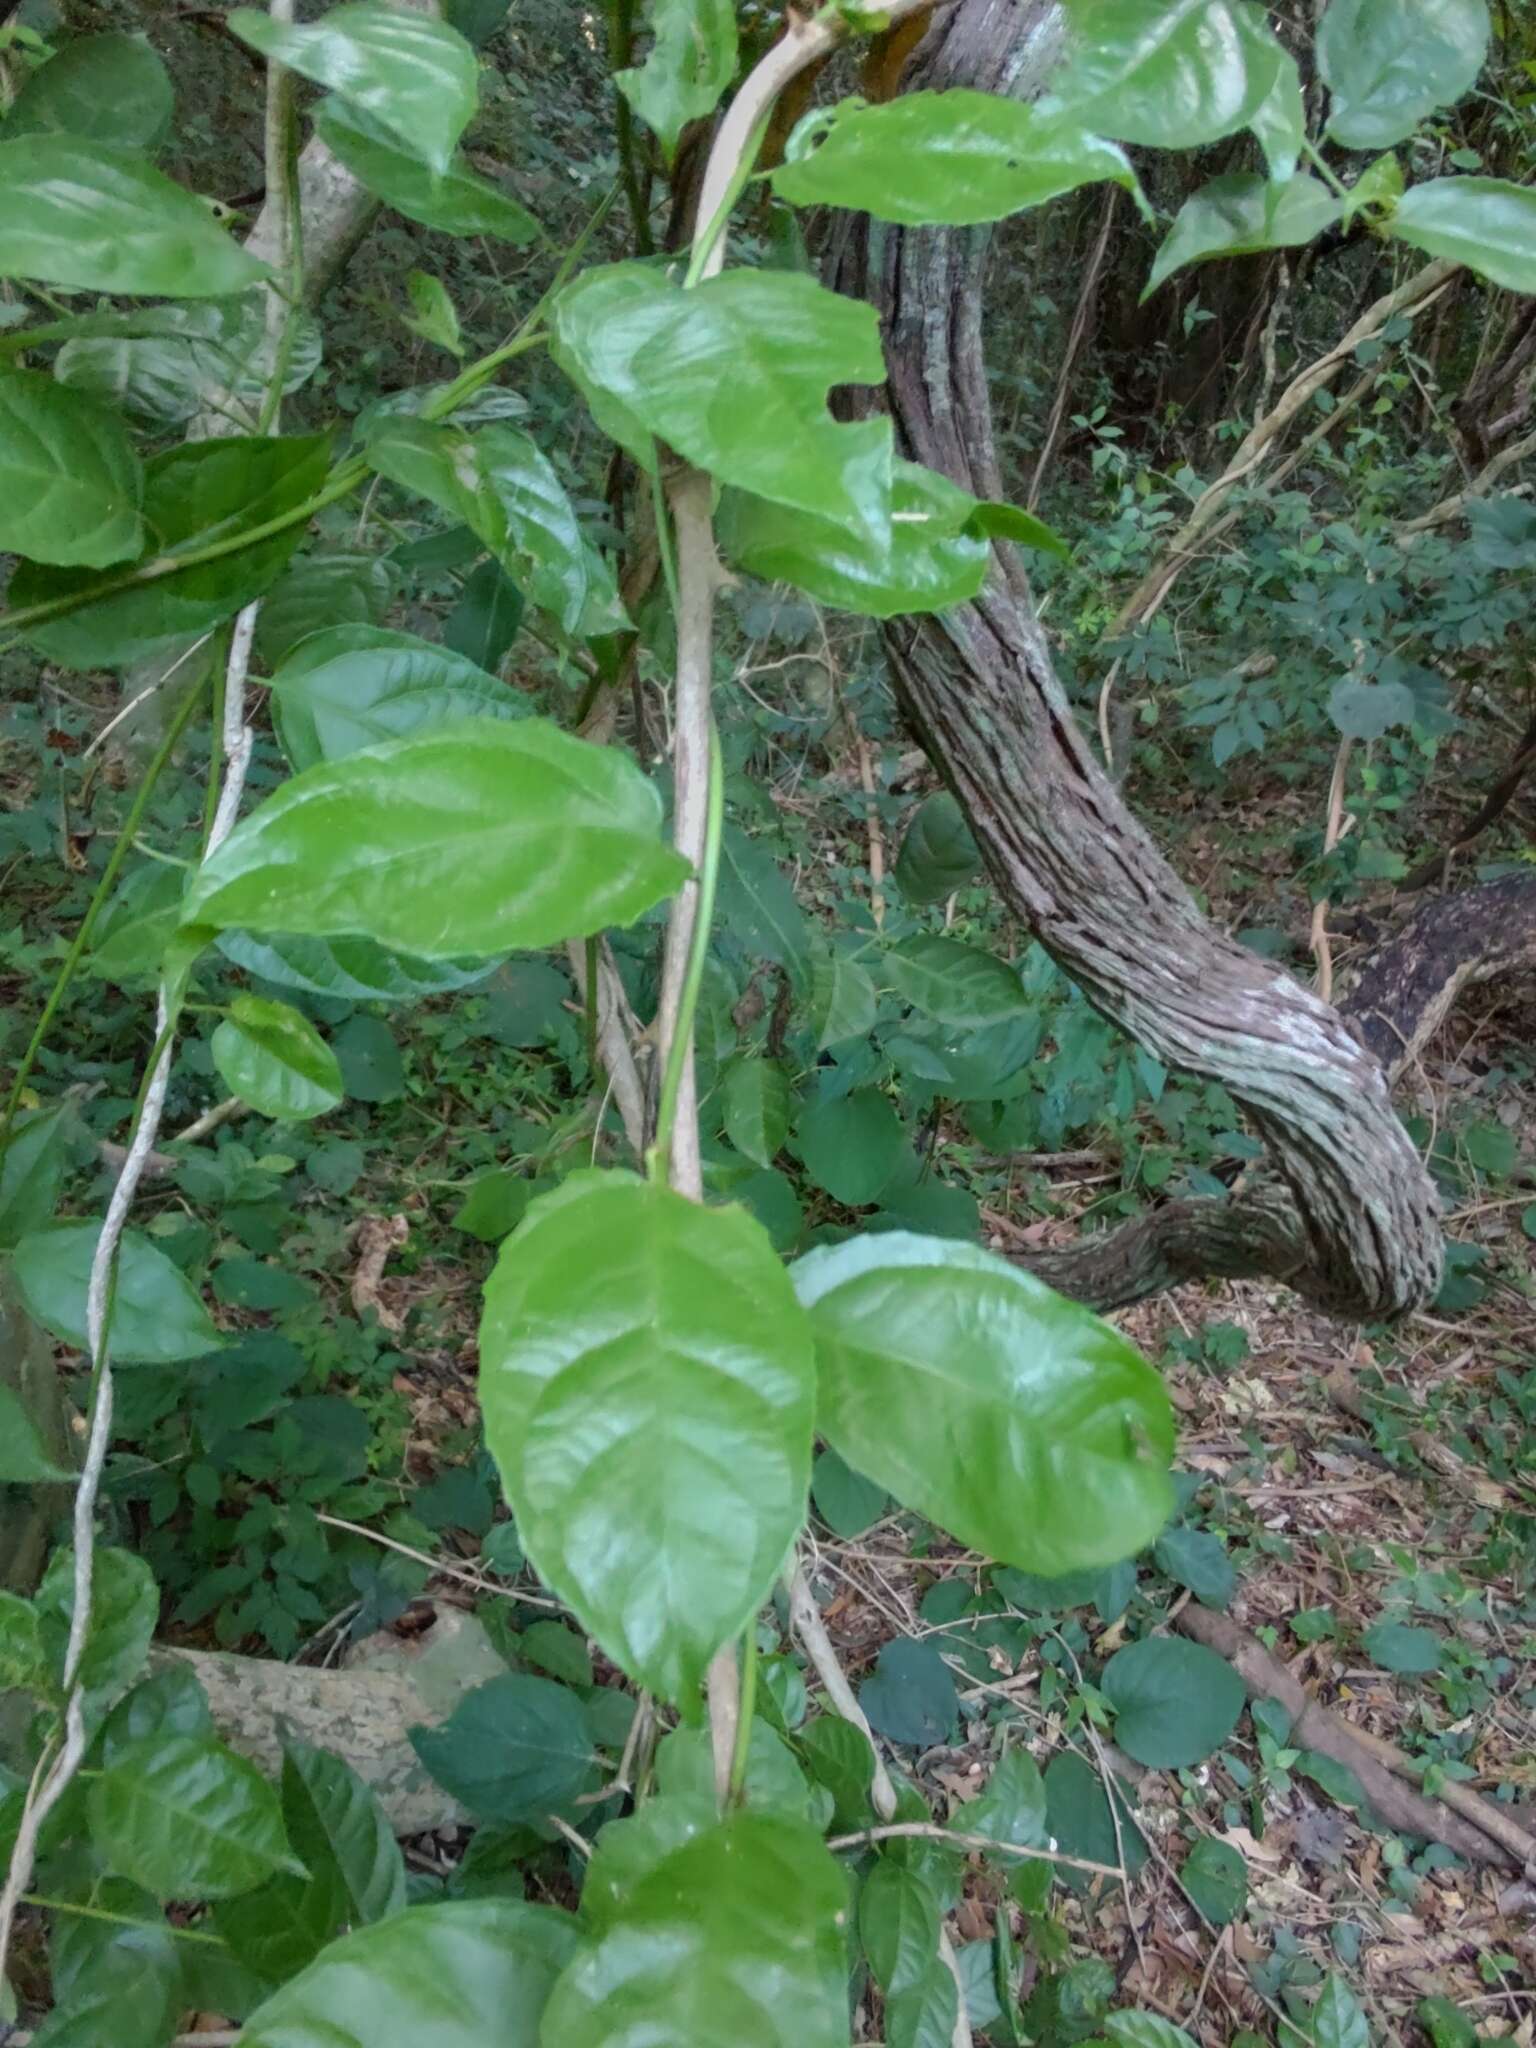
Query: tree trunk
{"points": [[1345, 1211]]}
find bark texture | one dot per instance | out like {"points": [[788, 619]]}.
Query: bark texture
{"points": [[1347, 1213]]}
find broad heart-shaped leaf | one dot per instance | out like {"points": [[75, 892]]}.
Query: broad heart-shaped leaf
{"points": [[70, 482], [629, 1849], [24, 1459], [472, 838], [99, 219], [203, 491], [32, 1164], [410, 72], [1082, 1822], [456, 201], [1013, 1418], [1175, 1702], [953, 982], [276, 1060], [1388, 63], [754, 1100], [459, 1975], [187, 1819], [938, 854], [928, 558], [356, 685], [735, 1940], [350, 970], [156, 1317], [500, 484], [108, 88], [950, 159], [691, 62], [647, 1384], [852, 1146], [899, 1925], [1486, 223], [1237, 215], [772, 341], [516, 1748], [1173, 76]]}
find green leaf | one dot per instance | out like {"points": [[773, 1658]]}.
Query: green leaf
{"points": [[1144, 2030], [1388, 63], [356, 685], [1446, 2025], [1175, 76], [275, 1060], [485, 621], [1486, 223], [350, 970], [938, 854], [113, 1982], [433, 314], [647, 1384], [1198, 1560], [852, 1146], [331, 1813], [629, 1850], [165, 364], [1175, 1702], [926, 559], [24, 1459], [922, 2015], [1012, 1808], [754, 1098], [954, 983], [32, 1164], [514, 1749], [1336, 2020], [845, 1500], [839, 1758], [156, 1316], [495, 1203], [107, 88], [99, 219], [193, 495], [125, 1605], [187, 1819], [322, 594], [898, 1925], [910, 1696], [1081, 1823], [775, 1783], [1280, 121], [842, 997], [1240, 214], [999, 521], [170, 1703], [372, 1069], [502, 487], [1057, 1434], [951, 159], [757, 906], [459, 1975], [456, 201], [1409, 1652], [70, 483], [691, 62], [642, 349], [1216, 1878], [439, 844], [409, 72], [735, 1940], [22, 1662]]}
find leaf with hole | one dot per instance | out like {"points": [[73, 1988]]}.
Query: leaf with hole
{"points": [[187, 1819], [1239, 215], [691, 61], [357, 685], [410, 72], [275, 1060], [439, 844], [1175, 1702], [1388, 63], [514, 1749], [456, 201], [70, 483], [1174, 76], [646, 1380], [105, 88], [157, 1318], [95, 218], [1486, 223], [1016, 1420]]}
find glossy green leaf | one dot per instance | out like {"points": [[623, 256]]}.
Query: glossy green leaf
{"points": [[170, 1703], [951, 159], [938, 854], [439, 844], [194, 494], [1486, 223], [410, 72], [485, 621], [187, 1819], [501, 485], [852, 1146], [356, 685], [456, 201], [1011, 1810], [1173, 76], [735, 1940], [332, 1815], [1013, 1418], [24, 1459], [642, 349], [928, 558], [628, 1850], [845, 1500], [1280, 121], [322, 594], [647, 1385], [32, 1165], [692, 60], [1336, 2019], [922, 2014], [99, 219], [433, 314], [952, 982], [899, 1925], [754, 1101], [70, 483], [1144, 2030], [156, 1316], [1388, 63], [283, 1925], [22, 1662], [775, 1783], [1240, 214], [113, 1980], [459, 1975], [125, 1605], [516, 1748], [275, 1060], [839, 1759], [166, 364], [1197, 1559], [998, 521], [350, 970], [842, 997], [1082, 1824], [1216, 1878], [106, 88], [1175, 1702]]}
